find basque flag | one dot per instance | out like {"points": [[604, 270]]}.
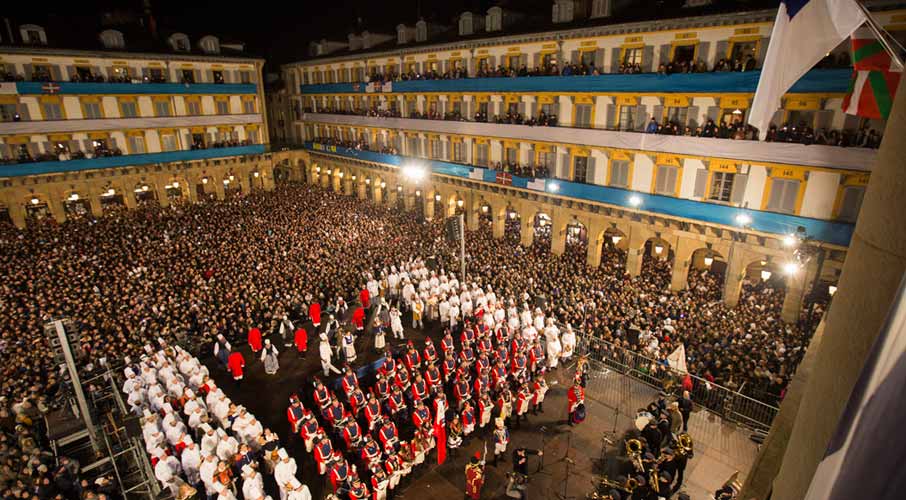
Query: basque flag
{"points": [[504, 178], [876, 77], [864, 459], [804, 32]]}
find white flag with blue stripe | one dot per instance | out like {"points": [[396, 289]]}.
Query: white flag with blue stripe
{"points": [[804, 32], [865, 457]]}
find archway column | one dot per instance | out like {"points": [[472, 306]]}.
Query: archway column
{"points": [[267, 177], [409, 200], [527, 235], [128, 189], [595, 243], [498, 221], [472, 209], [335, 182], [361, 190], [378, 192], [737, 260], [429, 202], [17, 214], [219, 190], [795, 291], [159, 182], [94, 204], [558, 233], [638, 235], [347, 185], [683, 248]]}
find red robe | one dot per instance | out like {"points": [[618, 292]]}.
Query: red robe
{"points": [[301, 339], [315, 312], [358, 318], [365, 297], [255, 339], [440, 437], [575, 396], [236, 363]]}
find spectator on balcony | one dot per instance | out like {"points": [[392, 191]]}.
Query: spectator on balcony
{"points": [[652, 127]]}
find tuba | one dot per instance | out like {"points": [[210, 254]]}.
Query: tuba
{"points": [[631, 484], [683, 445], [634, 452]]}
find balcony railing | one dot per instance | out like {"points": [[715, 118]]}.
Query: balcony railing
{"points": [[49, 167], [861, 159], [838, 233], [90, 88], [818, 81]]}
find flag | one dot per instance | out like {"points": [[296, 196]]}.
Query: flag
{"points": [[504, 178], [861, 457], [677, 360], [804, 32], [536, 184], [875, 78], [440, 438]]}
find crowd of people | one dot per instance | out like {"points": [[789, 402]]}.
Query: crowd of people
{"points": [[221, 268]]}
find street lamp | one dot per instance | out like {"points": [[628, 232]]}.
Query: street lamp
{"points": [[204, 180], [765, 275], [35, 201], [459, 203], [616, 239], [658, 249], [709, 260], [176, 183], [437, 197], [831, 290]]}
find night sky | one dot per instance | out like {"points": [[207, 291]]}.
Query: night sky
{"points": [[278, 31]]}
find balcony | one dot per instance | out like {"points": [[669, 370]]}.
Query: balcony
{"points": [[51, 167], [103, 88], [819, 81], [108, 124], [837, 233], [861, 159]]}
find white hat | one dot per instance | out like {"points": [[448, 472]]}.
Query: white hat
{"points": [[247, 470], [282, 454]]}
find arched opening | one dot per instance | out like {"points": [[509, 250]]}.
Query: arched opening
{"points": [[542, 227], [456, 205], [438, 206], [369, 192], [231, 186], [576, 237], [613, 250], [175, 190], [512, 226], [764, 284], [485, 215], [707, 271], [657, 263], [144, 193], [5, 219], [420, 204], [112, 200], [401, 195], [75, 205], [204, 188], [255, 181], [36, 208]]}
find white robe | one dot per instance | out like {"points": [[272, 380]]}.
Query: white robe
{"points": [[191, 461], [285, 472], [253, 487]]}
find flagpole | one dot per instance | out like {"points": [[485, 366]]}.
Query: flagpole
{"points": [[880, 34]]}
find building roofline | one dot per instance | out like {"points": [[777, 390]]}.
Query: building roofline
{"points": [[50, 51], [703, 21]]}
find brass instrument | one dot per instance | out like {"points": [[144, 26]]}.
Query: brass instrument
{"points": [[628, 486], [654, 480], [683, 445], [634, 452]]}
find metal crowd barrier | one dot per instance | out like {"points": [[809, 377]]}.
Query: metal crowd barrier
{"points": [[727, 404]]}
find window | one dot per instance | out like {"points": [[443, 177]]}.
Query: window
{"points": [[412, 146], [162, 108], [512, 108], [619, 173], [512, 156], [84, 73], [8, 112], [548, 109], [248, 106], [580, 169], [92, 110], [222, 106], [421, 31], [684, 53], [246, 77], [743, 51], [210, 44], [218, 76], [136, 144], [583, 115], [198, 141], [193, 107], [156, 75], [465, 24], [41, 73], [168, 142], [482, 155], [800, 118], [548, 160], [112, 39], [188, 76], [401, 37], [632, 55], [52, 110], [784, 193], [120, 73], [411, 107], [128, 109], [600, 8], [677, 115], [483, 108], [665, 182], [721, 186], [587, 57], [457, 107], [627, 118], [33, 37], [850, 203], [251, 135], [458, 152], [437, 149]]}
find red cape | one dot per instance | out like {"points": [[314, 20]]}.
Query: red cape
{"points": [[255, 339]]}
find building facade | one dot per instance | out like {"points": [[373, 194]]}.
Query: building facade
{"points": [[92, 114]]}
